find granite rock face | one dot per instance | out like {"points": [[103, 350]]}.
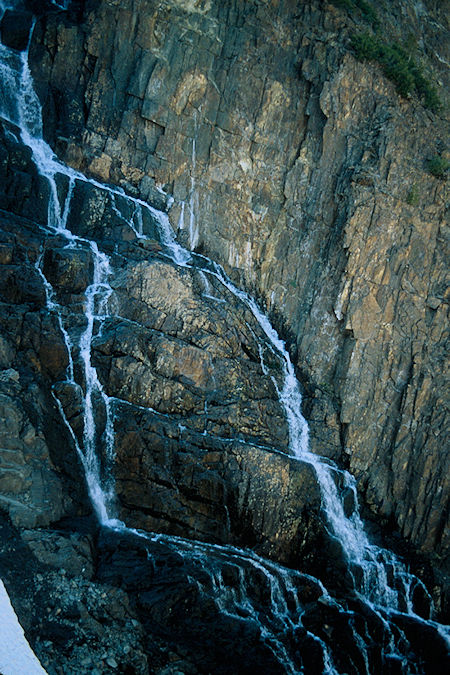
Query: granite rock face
{"points": [[41, 480], [293, 164], [200, 434]]}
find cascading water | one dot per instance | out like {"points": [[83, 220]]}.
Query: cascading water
{"points": [[372, 566]]}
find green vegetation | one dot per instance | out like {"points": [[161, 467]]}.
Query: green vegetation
{"points": [[368, 12], [397, 61], [398, 65], [438, 166], [344, 4], [413, 196]]}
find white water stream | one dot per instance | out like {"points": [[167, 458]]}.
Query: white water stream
{"points": [[381, 580]]}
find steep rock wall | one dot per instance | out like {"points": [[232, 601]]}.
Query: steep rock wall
{"points": [[291, 163], [201, 439]]}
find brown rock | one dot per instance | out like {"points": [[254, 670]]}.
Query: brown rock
{"points": [[297, 163], [68, 269], [180, 482]]}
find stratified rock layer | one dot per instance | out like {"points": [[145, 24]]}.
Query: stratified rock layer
{"points": [[201, 436], [279, 188], [193, 382], [294, 165]]}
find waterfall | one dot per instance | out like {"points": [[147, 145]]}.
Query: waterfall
{"points": [[381, 580], [371, 561]]}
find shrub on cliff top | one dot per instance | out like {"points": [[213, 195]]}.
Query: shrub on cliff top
{"points": [[398, 65]]}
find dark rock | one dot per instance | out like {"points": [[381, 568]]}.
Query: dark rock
{"points": [[428, 644], [72, 553], [53, 353], [349, 502], [69, 620], [68, 269], [59, 634], [15, 28], [6, 254], [173, 605], [101, 215], [22, 191], [42, 6], [31, 491], [18, 286], [278, 160], [71, 397], [205, 600]]}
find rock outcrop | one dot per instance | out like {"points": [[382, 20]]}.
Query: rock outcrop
{"points": [[302, 171], [199, 434], [41, 480], [200, 437], [293, 164]]}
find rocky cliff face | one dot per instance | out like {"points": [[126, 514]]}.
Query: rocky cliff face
{"points": [[293, 164], [305, 174], [200, 443]]}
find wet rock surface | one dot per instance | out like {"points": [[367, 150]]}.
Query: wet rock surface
{"points": [[159, 606], [180, 594], [294, 165], [215, 490], [199, 429], [41, 479], [200, 435]]}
